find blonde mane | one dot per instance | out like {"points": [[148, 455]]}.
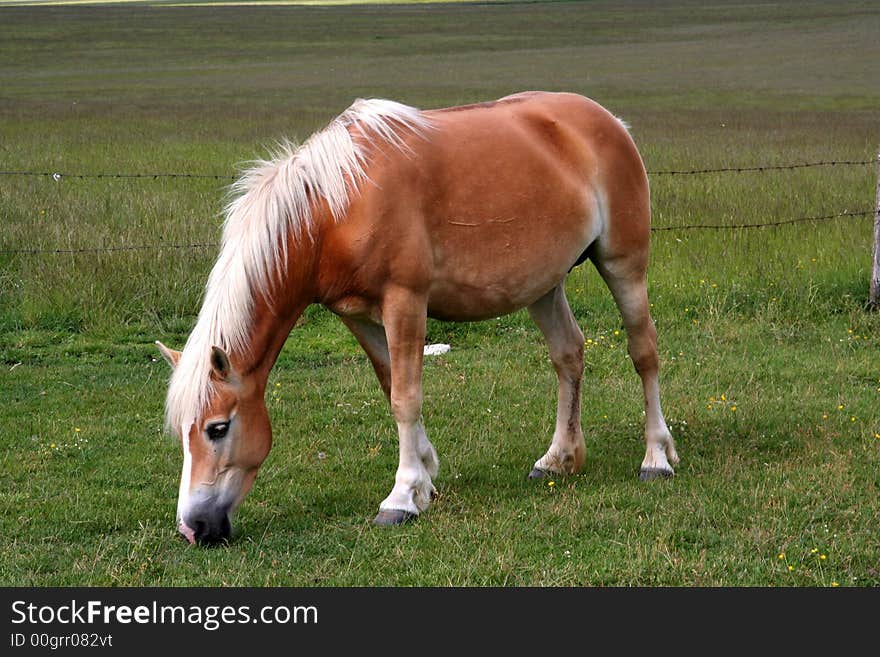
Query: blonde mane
{"points": [[272, 204]]}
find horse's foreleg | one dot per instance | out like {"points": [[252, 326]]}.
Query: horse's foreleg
{"points": [[404, 314], [629, 289], [566, 342], [373, 341]]}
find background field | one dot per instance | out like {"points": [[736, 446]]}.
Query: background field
{"points": [[770, 376]]}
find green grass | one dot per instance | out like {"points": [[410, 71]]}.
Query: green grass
{"points": [[772, 319]]}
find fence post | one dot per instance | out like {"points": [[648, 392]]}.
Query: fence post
{"points": [[874, 299]]}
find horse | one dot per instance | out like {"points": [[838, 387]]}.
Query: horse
{"points": [[391, 215]]}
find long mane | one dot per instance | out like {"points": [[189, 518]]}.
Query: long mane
{"points": [[273, 205]]}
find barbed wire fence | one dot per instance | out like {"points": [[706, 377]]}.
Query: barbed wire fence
{"points": [[873, 302], [57, 175]]}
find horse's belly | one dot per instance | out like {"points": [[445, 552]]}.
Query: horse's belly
{"points": [[459, 303], [499, 277]]}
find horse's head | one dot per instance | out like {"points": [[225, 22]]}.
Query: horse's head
{"points": [[223, 447]]}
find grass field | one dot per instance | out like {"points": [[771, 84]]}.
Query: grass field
{"points": [[770, 370]]}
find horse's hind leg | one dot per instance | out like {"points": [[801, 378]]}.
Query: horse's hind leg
{"points": [[626, 278], [566, 342]]}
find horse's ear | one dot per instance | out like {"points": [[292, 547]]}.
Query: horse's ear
{"points": [[220, 364], [170, 355]]}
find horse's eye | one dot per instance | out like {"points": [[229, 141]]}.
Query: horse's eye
{"points": [[217, 430]]}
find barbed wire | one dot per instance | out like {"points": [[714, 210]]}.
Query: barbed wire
{"points": [[782, 222], [106, 249], [208, 245], [765, 167], [58, 175]]}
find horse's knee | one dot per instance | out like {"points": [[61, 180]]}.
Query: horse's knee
{"points": [[642, 346], [407, 407], [646, 362], [571, 364]]}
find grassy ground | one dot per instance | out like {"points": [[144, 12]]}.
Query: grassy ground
{"points": [[770, 373]]}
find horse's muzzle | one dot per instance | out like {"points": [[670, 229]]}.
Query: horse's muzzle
{"points": [[206, 526]]}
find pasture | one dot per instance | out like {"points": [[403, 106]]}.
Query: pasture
{"points": [[770, 374]]}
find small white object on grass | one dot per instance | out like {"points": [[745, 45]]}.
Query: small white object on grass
{"points": [[436, 349]]}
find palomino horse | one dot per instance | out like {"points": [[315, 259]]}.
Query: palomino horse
{"points": [[391, 215]]}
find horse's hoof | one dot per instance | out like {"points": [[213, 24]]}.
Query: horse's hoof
{"points": [[538, 473], [388, 517], [650, 474]]}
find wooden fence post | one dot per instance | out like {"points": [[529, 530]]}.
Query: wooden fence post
{"points": [[874, 300]]}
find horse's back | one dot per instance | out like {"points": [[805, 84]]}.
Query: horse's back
{"points": [[495, 203]]}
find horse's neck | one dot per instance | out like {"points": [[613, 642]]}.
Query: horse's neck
{"points": [[272, 321], [268, 337]]}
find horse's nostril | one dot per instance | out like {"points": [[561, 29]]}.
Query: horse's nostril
{"points": [[225, 527], [200, 529], [212, 533]]}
